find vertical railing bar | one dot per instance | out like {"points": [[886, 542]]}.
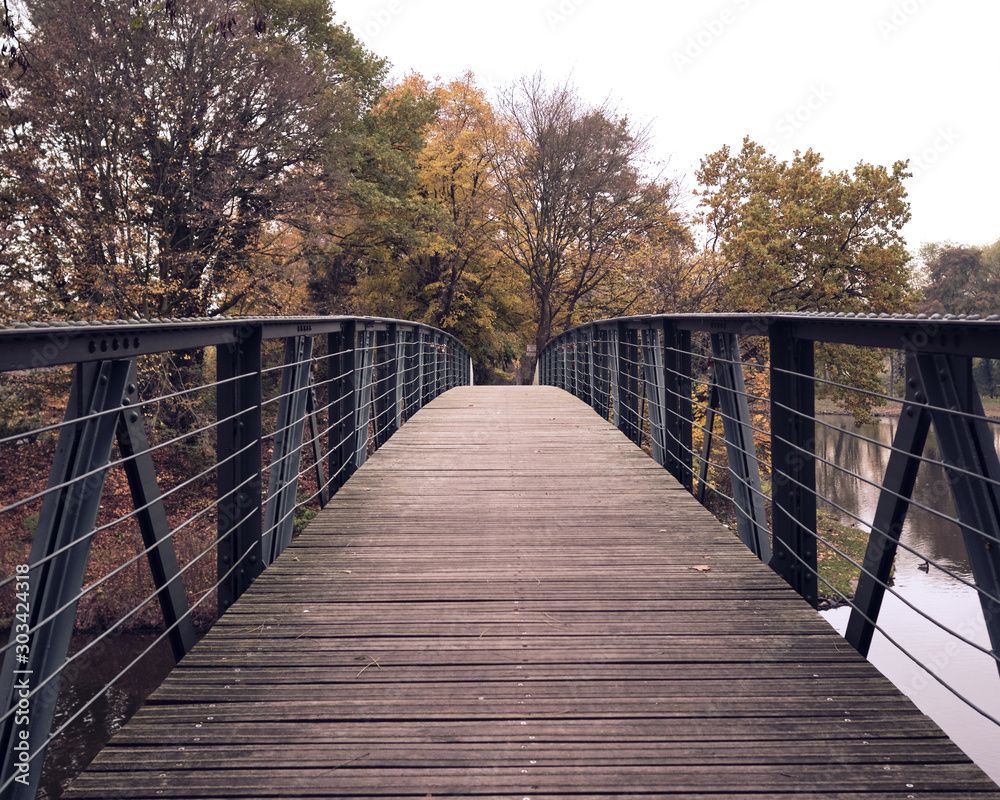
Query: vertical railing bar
{"points": [[343, 430], [793, 479], [398, 375], [239, 455], [679, 418]]}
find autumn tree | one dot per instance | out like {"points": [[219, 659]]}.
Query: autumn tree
{"points": [[682, 279], [466, 286], [157, 149], [790, 236], [574, 205], [422, 243], [793, 237]]}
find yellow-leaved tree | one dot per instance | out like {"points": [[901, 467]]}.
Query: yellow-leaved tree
{"points": [[450, 272], [792, 236]]}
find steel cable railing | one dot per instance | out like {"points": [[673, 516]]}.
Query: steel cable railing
{"points": [[177, 498], [667, 381]]}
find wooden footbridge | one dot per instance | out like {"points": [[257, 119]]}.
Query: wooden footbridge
{"points": [[510, 599]]}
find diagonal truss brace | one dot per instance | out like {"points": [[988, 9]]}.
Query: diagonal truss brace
{"points": [[751, 519], [940, 390], [58, 562], [283, 477]]}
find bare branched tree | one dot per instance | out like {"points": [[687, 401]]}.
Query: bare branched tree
{"points": [[575, 205]]}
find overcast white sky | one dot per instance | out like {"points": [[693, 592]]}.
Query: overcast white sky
{"points": [[855, 80]]}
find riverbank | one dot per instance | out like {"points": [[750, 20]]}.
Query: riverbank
{"points": [[837, 543], [991, 406]]}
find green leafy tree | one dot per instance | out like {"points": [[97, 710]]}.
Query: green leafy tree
{"points": [[960, 280], [964, 280], [424, 240], [355, 249], [159, 149]]}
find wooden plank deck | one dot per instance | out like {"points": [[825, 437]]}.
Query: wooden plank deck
{"points": [[510, 600]]}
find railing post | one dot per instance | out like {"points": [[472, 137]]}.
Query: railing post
{"points": [[428, 371], [408, 377], [420, 370], [343, 395], [575, 354], [614, 373], [386, 399], [398, 380], [793, 465], [56, 568], [751, 519], [238, 448], [602, 372], [587, 351], [678, 406], [566, 363], [973, 468]]}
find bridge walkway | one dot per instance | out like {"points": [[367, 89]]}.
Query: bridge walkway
{"points": [[511, 600]]}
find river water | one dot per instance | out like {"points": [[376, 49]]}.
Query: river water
{"points": [[84, 737], [972, 673]]}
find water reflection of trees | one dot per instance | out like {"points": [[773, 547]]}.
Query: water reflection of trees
{"points": [[851, 481]]}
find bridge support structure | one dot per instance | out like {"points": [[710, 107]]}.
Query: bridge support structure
{"points": [[375, 374], [669, 377]]}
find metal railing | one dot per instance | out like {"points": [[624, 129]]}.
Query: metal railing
{"points": [[227, 433], [666, 381]]}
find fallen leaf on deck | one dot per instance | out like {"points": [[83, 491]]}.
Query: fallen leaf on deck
{"points": [[701, 568]]}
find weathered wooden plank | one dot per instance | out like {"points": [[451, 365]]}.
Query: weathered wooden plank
{"points": [[500, 753], [545, 732], [512, 600], [350, 780]]}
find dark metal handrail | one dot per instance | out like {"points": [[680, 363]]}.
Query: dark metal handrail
{"points": [[342, 386], [656, 382]]}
